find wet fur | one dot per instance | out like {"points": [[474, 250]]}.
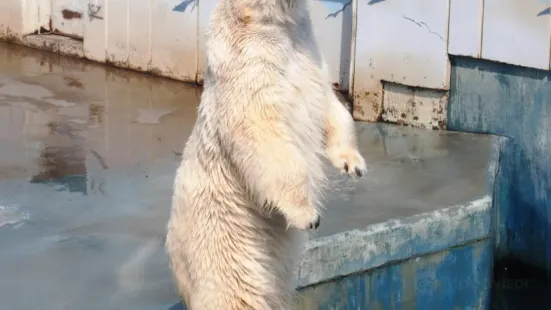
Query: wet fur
{"points": [[251, 175]]}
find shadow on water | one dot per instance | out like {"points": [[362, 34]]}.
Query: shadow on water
{"points": [[62, 166], [519, 286]]}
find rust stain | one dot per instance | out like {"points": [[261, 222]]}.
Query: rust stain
{"points": [[95, 113], [68, 14], [367, 106]]}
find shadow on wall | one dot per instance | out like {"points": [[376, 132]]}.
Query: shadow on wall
{"points": [[184, 5], [494, 98], [545, 12], [372, 2]]}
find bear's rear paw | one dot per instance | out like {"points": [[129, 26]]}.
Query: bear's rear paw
{"points": [[348, 161], [303, 218]]}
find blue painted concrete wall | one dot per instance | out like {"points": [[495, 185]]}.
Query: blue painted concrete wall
{"points": [[500, 99], [458, 278]]}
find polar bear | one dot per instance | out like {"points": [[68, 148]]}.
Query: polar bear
{"points": [[251, 176]]}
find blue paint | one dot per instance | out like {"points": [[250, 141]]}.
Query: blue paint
{"points": [[184, 5], [458, 278], [494, 98]]}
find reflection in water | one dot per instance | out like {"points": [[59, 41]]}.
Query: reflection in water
{"points": [[86, 157], [63, 166], [95, 113]]}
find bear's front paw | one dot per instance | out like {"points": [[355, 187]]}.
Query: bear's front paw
{"points": [[348, 161], [303, 218], [316, 224]]}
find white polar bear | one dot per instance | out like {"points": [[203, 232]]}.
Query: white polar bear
{"points": [[251, 175]]}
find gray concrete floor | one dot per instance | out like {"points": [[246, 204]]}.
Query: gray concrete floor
{"points": [[87, 158]]}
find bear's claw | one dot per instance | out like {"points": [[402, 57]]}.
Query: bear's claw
{"points": [[348, 161], [316, 224]]}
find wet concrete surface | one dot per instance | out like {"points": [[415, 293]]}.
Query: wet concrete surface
{"points": [[87, 159]]}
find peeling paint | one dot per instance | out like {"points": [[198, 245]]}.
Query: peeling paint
{"points": [[495, 98], [414, 106], [455, 278]]}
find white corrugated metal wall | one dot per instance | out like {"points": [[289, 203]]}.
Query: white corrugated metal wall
{"points": [[401, 47]]}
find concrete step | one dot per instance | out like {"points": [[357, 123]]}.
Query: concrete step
{"points": [[87, 160], [416, 233]]}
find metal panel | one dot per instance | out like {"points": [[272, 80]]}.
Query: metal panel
{"points": [[401, 42], [68, 17], [139, 34], [416, 107], [95, 31], [511, 101], [174, 39], [465, 36], [117, 33], [332, 25], [517, 32]]}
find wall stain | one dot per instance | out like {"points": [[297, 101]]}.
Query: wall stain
{"points": [[68, 14]]}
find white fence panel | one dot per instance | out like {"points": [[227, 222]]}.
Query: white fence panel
{"points": [[517, 32]]}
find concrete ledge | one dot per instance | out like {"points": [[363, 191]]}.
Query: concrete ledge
{"points": [[438, 259], [49, 43], [356, 251]]}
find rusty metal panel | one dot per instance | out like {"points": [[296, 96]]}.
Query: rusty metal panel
{"points": [[414, 106]]}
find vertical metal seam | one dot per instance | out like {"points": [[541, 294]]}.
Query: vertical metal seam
{"points": [[481, 27], [448, 62], [549, 42], [128, 33], [150, 38], [352, 64], [106, 30]]}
